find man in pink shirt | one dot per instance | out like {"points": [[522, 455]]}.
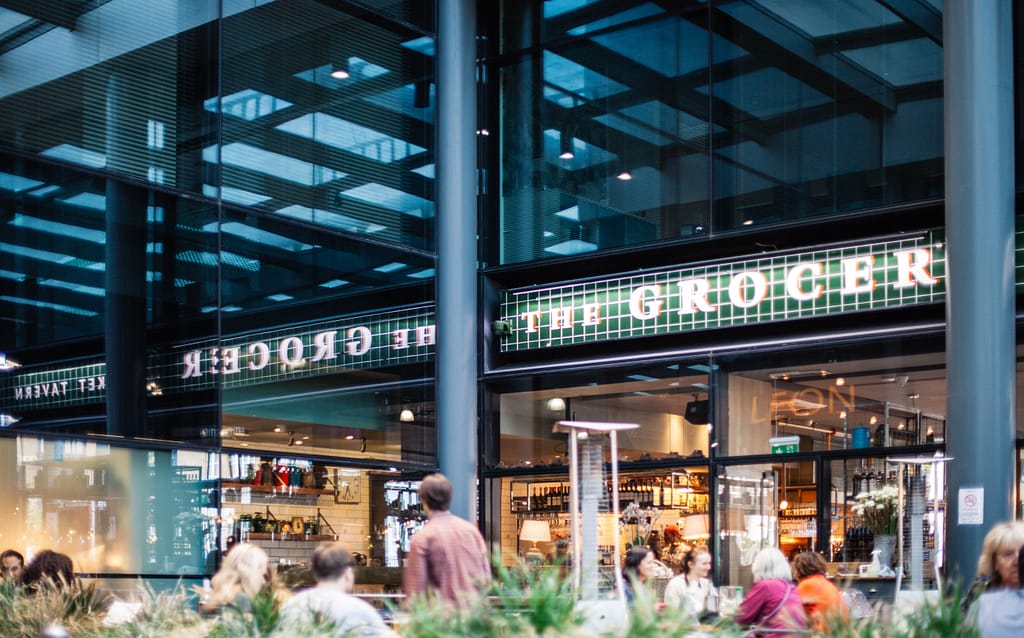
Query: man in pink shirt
{"points": [[448, 557]]}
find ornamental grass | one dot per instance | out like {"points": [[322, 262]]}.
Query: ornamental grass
{"points": [[523, 602]]}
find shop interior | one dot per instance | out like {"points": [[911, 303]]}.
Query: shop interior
{"points": [[841, 426]]}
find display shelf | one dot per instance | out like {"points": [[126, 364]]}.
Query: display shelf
{"points": [[279, 490], [683, 491], [242, 493]]}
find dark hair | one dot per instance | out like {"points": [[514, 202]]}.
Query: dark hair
{"points": [[808, 564], [691, 557], [49, 568], [436, 492], [635, 555], [7, 553], [330, 560]]}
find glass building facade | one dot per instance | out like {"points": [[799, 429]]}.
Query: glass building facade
{"points": [[723, 221]]}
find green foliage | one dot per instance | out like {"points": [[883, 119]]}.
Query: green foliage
{"points": [[945, 619], [536, 599], [253, 618], [161, 615], [80, 610], [523, 602]]}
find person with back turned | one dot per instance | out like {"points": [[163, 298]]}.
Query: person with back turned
{"points": [[448, 556], [332, 599]]}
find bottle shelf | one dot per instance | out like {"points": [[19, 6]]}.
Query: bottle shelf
{"points": [[267, 536], [686, 492]]}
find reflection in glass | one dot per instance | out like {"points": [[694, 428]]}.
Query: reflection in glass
{"points": [[112, 510], [801, 109], [656, 398], [839, 404]]}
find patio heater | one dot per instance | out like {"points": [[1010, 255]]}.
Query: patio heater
{"points": [[914, 505], [588, 497]]}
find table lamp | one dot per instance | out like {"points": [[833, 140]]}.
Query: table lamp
{"points": [[535, 532], [695, 526]]}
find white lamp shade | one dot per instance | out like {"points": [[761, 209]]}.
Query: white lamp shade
{"points": [[695, 526], [406, 416], [535, 531]]}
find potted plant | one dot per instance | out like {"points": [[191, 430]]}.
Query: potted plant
{"points": [[878, 510]]}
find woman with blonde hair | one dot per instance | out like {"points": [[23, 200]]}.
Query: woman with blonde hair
{"points": [[773, 603], [997, 565], [245, 572], [998, 581]]}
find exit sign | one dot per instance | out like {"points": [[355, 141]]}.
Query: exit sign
{"points": [[784, 444]]}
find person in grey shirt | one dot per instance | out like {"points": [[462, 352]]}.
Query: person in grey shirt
{"points": [[999, 613], [332, 599]]}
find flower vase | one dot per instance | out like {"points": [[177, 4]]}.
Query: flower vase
{"points": [[886, 546]]}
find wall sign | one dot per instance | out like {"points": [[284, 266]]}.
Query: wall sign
{"points": [[758, 290], [970, 506], [355, 343]]}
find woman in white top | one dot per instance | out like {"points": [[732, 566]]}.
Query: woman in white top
{"points": [[690, 590]]}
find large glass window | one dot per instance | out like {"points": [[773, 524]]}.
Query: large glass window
{"points": [[328, 118], [116, 86], [70, 239], [669, 403], [623, 126], [304, 417], [835, 403], [113, 510], [825, 106]]}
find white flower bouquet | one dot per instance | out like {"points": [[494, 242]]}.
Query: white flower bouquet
{"points": [[878, 509]]}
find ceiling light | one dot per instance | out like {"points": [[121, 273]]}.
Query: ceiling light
{"points": [[406, 416], [748, 222], [873, 420], [840, 381], [624, 175], [7, 364], [556, 404], [340, 74], [565, 143], [349, 437], [277, 428]]}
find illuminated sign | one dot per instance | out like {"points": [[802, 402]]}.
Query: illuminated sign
{"points": [[365, 342], [757, 290]]}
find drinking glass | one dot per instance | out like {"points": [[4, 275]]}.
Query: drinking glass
{"points": [[729, 599]]}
